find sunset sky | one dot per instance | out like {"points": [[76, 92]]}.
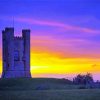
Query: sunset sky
{"points": [[65, 35]]}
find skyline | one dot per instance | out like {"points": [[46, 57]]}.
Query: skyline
{"points": [[65, 35]]}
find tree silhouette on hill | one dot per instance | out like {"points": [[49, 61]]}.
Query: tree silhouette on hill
{"points": [[83, 79]]}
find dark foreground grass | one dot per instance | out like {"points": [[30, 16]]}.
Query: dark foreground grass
{"points": [[75, 94], [44, 89]]}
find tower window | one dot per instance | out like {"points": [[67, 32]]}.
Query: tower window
{"points": [[16, 55]]}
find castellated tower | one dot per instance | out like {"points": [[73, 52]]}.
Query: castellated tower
{"points": [[16, 54]]}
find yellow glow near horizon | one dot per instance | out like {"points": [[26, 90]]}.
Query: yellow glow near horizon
{"points": [[54, 63], [42, 63]]}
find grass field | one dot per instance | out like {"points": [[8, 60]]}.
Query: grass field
{"points": [[50, 95], [26, 89]]}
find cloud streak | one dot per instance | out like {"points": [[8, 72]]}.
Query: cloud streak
{"points": [[63, 26], [57, 24]]}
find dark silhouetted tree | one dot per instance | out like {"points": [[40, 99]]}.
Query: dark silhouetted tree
{"points": [[83, 79]]}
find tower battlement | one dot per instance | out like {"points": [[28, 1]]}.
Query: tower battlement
{"points": [[16, 54], [18, 37]]}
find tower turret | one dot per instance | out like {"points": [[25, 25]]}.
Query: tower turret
{"points": [[26, 37]]}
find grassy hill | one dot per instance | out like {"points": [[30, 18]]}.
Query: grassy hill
{"points": [[44, 89], [35, 84]]}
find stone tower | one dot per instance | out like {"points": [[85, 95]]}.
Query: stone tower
{"points": [[16, 54]]}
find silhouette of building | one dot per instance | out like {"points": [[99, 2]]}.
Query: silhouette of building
{"points": [[16, 54]]}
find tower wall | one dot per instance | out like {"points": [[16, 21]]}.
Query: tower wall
{"points": [[18, 53]]}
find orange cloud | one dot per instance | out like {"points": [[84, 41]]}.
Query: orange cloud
{"points": [[65, 47]]}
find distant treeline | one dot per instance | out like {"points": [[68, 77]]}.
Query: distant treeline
{"points": [[86, 80]]}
